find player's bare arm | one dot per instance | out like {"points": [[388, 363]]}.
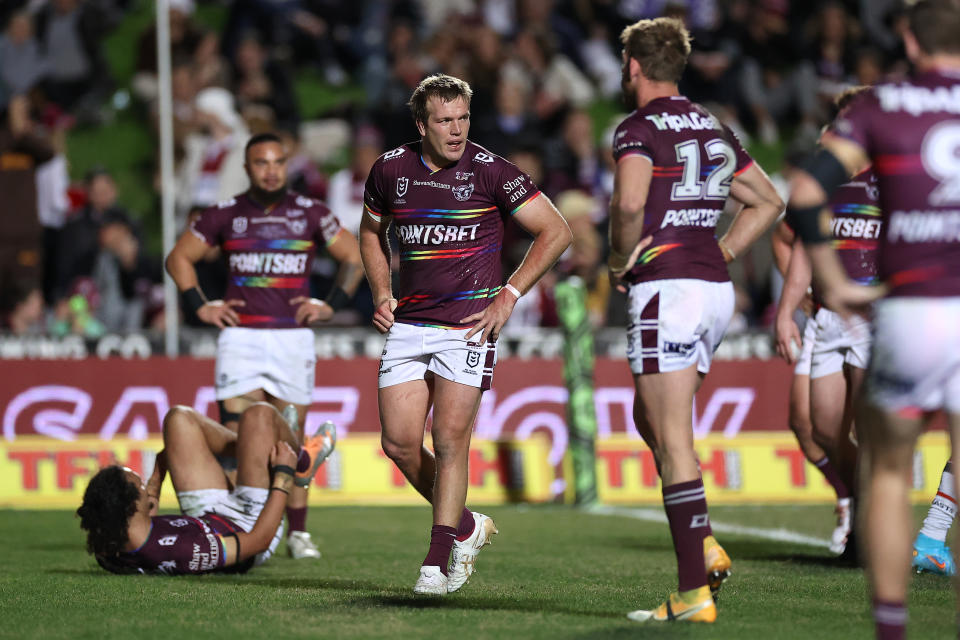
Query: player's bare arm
{"points": [[761, 206], [631, 185], [346, 252], [180, 264], [551, 237], [796, 281], [155, 483], [375, 253], [781, 243], [283, 461], [808, 195]]}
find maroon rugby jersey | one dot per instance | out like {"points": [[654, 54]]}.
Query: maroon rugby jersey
{"points": [[449, 224], [269, 252], [911, 131], [856, 226], [694, 158], [179, 544]]}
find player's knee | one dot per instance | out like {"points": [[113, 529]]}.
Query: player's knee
{"points": [[257, 418], [399, 452], [179, 419]]}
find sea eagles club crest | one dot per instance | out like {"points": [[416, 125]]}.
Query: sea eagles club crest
{"points": [[402, 184], [462, 192]]}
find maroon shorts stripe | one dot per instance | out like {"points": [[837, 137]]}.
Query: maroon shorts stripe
{"points": [[649, 337], [486, 381]]}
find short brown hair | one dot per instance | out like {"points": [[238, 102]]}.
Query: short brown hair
{"points": [[936, 25], [661, 46], [845, 97], [439, 85]]}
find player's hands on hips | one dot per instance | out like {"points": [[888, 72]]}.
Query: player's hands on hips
{"points": [[283, 454], [616, 275], [491, 320], [787, 336], [220, 313], [311, 311], [383, 315]]}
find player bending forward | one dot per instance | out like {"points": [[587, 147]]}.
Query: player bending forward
{"points": [[449, 200], [219, 529], [676, 166]]}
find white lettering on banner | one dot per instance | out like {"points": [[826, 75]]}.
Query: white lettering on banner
{"points": [[139, 430], [741, 397], [348, 399], [53, 423]]}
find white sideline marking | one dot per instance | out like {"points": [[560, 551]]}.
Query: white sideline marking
{"points": [[654, 515]]}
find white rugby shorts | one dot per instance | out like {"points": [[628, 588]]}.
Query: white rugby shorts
{"points": [[802, 368], [411, 351], [915, 362], [674, 324], [282, 362], [837, 342], [242, 505]]}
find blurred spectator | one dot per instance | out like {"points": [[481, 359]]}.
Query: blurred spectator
{"points": [[100, 247], [70, 33], [776, 82], [185, 40], [572, 161], [22, 150], [53, 204], [263, 88], [584, 258], [212, 169], [557, 82], [302, 173], [345, 195], [23, 312], [510, 124], [22, 66], [834, 36]]}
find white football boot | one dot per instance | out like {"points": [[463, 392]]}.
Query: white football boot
{"points": [[463, 558], [431, 582], [300, 546]]}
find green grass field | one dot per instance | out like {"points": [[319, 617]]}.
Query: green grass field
{"points": [[552, 572]]}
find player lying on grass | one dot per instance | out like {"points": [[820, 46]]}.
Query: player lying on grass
{"points": [[219, 529]]}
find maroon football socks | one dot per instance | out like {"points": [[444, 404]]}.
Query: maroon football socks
{"points": [[891, 619], [465, 528], [686, 507], [830, 473], [297, 518], [441, 543]]}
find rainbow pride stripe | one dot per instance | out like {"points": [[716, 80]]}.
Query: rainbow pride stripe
{"points": [[858, 209], [529, 200], [655, 252], [438, 326], [248, 319], [847, 244], [268, 282], [244, 244], [436, 254], [474, 294], [447, 214]]}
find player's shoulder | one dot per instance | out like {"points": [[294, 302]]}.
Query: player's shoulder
{"points": [[397, 156], [482, 158], [226, 207]]}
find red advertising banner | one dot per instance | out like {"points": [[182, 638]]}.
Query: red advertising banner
{"points": [[62, 399]]}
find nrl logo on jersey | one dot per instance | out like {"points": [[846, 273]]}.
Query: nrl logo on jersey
{"points": [[402, 184], [462, 192], [239, 225], [297, 227]]}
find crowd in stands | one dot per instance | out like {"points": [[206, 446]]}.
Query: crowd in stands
{"points": [[544, 72]]}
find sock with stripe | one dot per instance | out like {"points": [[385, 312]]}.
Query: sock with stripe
{"points": [[441, 543], [943, 509], [686, 507], [830, 473], [891, 619], [297, 518]]}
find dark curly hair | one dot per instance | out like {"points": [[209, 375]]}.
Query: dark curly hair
{"points": [[108, 503]]}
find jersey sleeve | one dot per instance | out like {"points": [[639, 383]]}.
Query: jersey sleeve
{"points": [[744, 161], [208, 226], [632, 139], [514, 189], [854, 122], [374, 200], [328, 225]]}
